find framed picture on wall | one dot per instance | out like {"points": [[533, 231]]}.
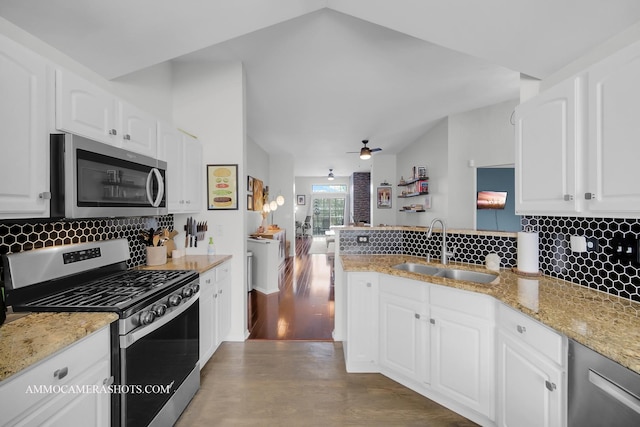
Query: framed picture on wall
{"points": [[222, 187], [301, 199], [257, 194], [249, 202], [384, 197], [250, 184]]}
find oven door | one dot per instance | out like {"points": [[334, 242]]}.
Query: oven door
{"points": [[155, 365]]}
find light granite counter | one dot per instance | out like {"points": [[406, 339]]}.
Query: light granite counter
{"points": [[36, 336], [606, 323], [199, 263]]}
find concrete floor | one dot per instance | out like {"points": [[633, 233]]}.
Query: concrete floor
{"points": [[303, 383]]}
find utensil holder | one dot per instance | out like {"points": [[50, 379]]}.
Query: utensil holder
{"points": [[156, 255]]}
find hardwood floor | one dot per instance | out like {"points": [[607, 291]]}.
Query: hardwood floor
{"points": [[303, 383], [304, 307]]}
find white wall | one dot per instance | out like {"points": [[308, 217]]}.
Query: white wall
{"points": [[486, 137], [431, 150], [281, 181], [257, 167], [383, 169], [209, 100]]}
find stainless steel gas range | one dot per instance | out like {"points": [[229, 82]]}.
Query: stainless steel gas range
{"points": [[155, 343]]}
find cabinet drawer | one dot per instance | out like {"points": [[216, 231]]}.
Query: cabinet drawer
{"points": [[222, 272], [543, 339], [466, 302], [26, 389]]}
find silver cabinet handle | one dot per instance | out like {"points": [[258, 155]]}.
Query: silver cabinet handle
{"points": [[46, 195], [521, 329], [549, 385], [108, 381], [127, 137], [432, 321], [113, 132], [568, 197], [417, 316], [368, 284], [61, 373]]}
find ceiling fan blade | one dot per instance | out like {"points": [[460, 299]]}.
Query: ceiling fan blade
{"points": [[373, 150]]}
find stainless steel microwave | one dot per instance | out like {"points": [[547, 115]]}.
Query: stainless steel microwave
{"points": [[90, 179]]}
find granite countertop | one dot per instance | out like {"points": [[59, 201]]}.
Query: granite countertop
{"points": [[34, 337], [200, 263], [608, 324]]}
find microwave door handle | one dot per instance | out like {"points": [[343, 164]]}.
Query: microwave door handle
{"points": [[155, 172]]}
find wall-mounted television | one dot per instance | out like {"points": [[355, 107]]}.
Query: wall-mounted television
{"points": [[491, 199]]}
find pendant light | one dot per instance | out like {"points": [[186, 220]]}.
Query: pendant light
{"points": [[330, 177]]}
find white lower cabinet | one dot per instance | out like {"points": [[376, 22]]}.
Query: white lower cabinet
{"points": [[361, 345], [84, 364], [462, 348], [404, 329], [531, 372], [215, 309]]}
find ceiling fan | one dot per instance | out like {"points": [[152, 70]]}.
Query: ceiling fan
{"points": [[365, 152]]}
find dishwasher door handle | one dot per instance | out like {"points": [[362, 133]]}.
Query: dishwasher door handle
{"points": [[615, 391]]}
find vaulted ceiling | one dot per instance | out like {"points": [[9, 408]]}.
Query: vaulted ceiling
{"points": [[324, 74]]}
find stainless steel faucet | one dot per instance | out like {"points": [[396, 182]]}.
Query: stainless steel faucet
{"points": [[444, 257]]}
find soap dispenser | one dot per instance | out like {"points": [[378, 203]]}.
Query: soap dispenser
{"points": [[211, 250]]}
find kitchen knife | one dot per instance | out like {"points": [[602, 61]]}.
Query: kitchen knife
{"points": [[195, 236], [186, 237]]}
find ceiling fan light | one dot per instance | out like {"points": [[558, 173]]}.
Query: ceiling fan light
{"points": [[365, 153], [330, 177]]}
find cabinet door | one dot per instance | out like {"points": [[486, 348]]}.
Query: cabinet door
{"points": [[404, 336], [614, 133], [548, 150], [362, 322], [223, 285], [170, 149], [85, 109], [25, 151], [461, 358], [208, 317], [192, 174], [138, 130], [529, 387]]}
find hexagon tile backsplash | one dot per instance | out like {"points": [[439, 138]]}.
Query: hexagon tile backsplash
{"points": [[33, 234], [596, 270]]}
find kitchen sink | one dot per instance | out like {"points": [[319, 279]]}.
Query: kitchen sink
{"points": [[417, 268], [448, 273], [469, 276]]}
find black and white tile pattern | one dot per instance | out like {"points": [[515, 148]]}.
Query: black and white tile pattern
{"points": [[33, 234]]}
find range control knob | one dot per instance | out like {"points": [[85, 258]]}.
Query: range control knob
{"points": [[195, 287], [187, 292], [159, 309], [146, 317], [174, 300]]}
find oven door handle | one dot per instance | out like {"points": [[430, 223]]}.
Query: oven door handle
{"points": [[130, 338]]}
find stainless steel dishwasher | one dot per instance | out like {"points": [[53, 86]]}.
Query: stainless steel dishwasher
{"points": [[601, 392]]}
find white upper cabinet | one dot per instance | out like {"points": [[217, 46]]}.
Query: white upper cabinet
{"points": [[24, 187], [547, 151], [183, 155], [138, 130], [577, 143], [614, 133], [85, 109]]}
